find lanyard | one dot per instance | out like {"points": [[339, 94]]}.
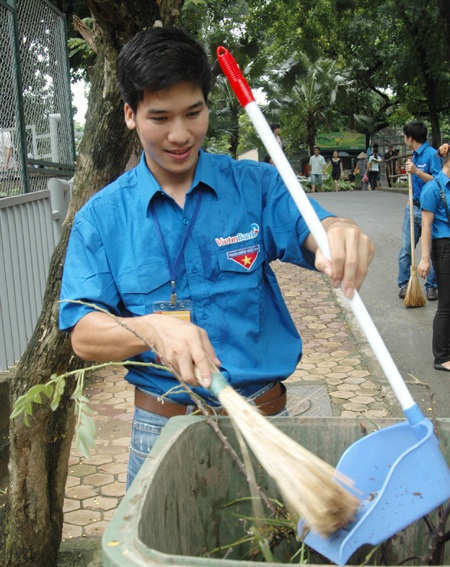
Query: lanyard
{"points": [[173, 269]]}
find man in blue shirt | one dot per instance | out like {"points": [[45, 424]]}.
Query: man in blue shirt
{"points": [[425, 165], [178, 250]]}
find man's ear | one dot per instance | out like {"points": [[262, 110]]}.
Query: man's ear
{"points": [[129, 117]]}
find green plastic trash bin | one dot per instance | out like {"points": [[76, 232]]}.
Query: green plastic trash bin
{"points": [[176, 510]]}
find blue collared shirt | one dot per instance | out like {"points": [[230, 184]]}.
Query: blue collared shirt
{"points": [[430, 200], [427, 160], [247, 219]]}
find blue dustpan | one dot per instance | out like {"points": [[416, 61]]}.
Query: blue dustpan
{"points": [[399, 470], [400, 475]]}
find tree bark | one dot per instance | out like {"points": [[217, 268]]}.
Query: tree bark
{"points": [[39, 454]]}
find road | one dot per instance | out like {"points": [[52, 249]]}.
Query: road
{"points": [[407, 333]]}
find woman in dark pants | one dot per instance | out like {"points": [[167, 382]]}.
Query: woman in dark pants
{"points": [[434, 201]]}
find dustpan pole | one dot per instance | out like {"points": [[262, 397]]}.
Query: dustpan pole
{"points": [[243, 92]]}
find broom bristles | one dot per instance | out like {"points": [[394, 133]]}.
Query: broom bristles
{"points": [[414, 295], [305, 481]]}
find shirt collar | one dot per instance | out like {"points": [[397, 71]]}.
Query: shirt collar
{"points": [[444, 178], [422, 148], [148, 187]]}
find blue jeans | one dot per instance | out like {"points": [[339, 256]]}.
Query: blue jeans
{"points": [[404, 259], [316, 179], [146, 428]]}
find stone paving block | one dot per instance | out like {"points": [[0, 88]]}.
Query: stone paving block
{"points": [[71, 531], [113, 489], [70, 505], [363, 400], [81, 470], [355, 407], [95, 529], [82, 517], [348, 387], [81, 492], [342, 395], [101, 502], [98, 479], [115, 468], [355, 380], [72, 481], [98, 460]]}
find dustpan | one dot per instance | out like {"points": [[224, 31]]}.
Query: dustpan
{"points": [[399, 472]]}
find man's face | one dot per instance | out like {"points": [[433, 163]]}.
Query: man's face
{"points": [[408, 141], [316, 151], [171, 126]]}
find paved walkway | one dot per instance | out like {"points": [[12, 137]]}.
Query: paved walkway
{"points": [[337, 376]]}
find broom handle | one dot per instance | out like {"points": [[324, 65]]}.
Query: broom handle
{"points": [[411, 219], [243, 92]]}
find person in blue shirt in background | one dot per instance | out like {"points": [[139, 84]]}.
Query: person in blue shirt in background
{"points": [[435, 203], [178, 249], [425, 165]]}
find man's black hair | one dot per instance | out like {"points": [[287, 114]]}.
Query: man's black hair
{"points": [[158, 59], [274, 126], [416, 130]]}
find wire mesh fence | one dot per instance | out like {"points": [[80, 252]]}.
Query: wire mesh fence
{"points": [[36, 129]]}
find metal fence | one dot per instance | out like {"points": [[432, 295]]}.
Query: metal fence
{"points": [[30, 227], [36, 127]]}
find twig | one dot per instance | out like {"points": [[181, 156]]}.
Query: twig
{"points": [[200, 405]]}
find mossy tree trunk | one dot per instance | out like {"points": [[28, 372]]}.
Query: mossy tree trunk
{"points": [[39, 454]]}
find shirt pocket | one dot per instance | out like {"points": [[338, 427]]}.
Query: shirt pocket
{"points": [[245, 260], [143, 285]]}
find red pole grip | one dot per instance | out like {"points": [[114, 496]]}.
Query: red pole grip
{"points": [[235, 77]]}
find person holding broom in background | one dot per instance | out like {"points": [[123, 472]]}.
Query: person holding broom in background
{"points": [[178, 250], [435, 202], [424, 165]]}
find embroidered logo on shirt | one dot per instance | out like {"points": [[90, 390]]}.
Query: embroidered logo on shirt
{"points": [[245, 257], [240, 237]]}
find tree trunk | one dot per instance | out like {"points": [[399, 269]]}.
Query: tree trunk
{"points": [[39, 454], [311, 131], [444, 10]]}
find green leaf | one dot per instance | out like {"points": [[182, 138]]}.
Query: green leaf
{"points": [[55, 401], [48, 390]]}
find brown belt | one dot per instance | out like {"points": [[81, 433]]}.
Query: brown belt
{"points": [[270, 403]]}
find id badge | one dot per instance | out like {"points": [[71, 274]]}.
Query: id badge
{"points": [[181, 309]]}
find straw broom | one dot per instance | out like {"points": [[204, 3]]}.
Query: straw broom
{"points": [[414, 295], [308, 484]]}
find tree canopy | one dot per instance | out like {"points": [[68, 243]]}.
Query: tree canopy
{"points": [[389, 60]]}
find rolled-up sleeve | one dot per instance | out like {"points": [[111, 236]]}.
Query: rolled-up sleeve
{"points": [[86, 277]]}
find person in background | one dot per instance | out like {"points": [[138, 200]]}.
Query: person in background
{"points": [[276, 129], [317, 167], [435, 203], [337, 169], [178, 250], [424, 166], [390, 159], [374, 168], [361, 168], [6, 151]]}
